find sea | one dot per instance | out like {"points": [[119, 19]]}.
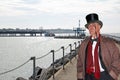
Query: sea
{"points": [[16, 52]]}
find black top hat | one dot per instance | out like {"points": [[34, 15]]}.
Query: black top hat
{"points": [[91, 18]]}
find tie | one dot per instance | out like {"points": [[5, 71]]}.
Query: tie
{"points": [[97, 68], [90, 63]]}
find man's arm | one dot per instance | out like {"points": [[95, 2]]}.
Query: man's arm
{"points": [[115, 65], [79, 66]]}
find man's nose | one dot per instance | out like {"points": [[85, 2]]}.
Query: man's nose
{"points": [[91, 26]]}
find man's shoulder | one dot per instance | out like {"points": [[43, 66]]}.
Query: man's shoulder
{"points": [[107, 40], [86, 39]]}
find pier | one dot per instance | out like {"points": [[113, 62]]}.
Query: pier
{"points": [[38, 32], [21, 32], [70, 72]]}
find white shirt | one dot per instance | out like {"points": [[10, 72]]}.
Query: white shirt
{"points": [[93, 49]]}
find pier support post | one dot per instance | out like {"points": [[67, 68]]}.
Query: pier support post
{"points": [[63, 56], [34, 59]]}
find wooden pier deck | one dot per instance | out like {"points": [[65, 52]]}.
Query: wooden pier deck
{"points": [[70, 71]]}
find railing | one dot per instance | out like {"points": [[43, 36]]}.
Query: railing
{"points": [[70, 46]]}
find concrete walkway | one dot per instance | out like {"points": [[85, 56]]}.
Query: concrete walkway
{"points": [[70, 71]]}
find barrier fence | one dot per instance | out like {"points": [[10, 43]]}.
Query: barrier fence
{"points": [[70, 46]]}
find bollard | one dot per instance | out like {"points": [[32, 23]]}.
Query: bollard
{"points": [[53, 64], [63, 56], [33, 58]]}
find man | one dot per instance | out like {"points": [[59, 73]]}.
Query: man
{"points": [[98, 57]]}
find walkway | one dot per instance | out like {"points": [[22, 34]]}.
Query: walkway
{"points": [[70, 71]]}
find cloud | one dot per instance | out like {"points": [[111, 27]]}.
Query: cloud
{"points": [[31, 1], [7, 8], [57, 12], [75, 6], [24, 7]]}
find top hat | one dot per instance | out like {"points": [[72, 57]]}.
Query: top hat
{"points": [[91, 18]]}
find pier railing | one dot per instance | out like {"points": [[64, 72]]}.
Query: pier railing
{"points": [[72, 47]]}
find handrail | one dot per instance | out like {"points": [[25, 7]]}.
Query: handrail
{"points": [[43, 56]]}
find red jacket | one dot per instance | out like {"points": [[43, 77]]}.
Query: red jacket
{"points": [[110, 56]]}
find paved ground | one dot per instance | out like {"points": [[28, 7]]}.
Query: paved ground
{"points": [[70, 71]]}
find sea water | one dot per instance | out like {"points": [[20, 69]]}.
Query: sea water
{"points": [[14, 51]]}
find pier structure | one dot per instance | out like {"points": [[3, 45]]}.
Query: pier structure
{"points": [[21, 32], [33, 32], [79, 32]]}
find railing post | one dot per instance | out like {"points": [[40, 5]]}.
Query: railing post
{"points": [[75, 49], [63, 56], [70, 47], [53, 63], [79, 43], [70, 50], [33, 58], [75, 45]]}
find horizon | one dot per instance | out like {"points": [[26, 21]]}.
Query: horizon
{"points": [[86, 31]]}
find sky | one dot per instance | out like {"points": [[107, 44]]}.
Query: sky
{"points": [[63, 14]]}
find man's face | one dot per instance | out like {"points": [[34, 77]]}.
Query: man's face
{"points": [[93, 28]]}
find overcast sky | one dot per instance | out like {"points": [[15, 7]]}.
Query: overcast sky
{"points": [[58, 13]]}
